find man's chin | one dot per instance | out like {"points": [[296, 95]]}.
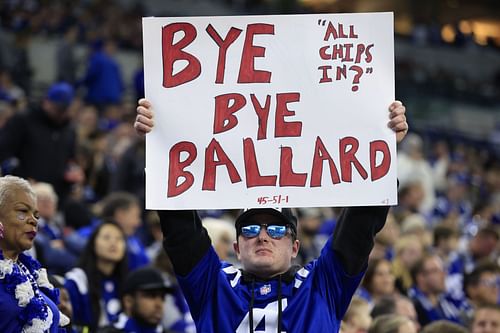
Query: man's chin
{"points": [[154, 323], [264, 270], [148, 322]]}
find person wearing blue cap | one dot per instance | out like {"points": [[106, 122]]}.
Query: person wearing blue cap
{"points": [[42, 141], [269, 294]]}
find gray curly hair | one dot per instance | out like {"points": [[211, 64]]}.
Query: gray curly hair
{"points": [[8, 185]]}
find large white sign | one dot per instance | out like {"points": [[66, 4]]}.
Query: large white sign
{"points": [[270, 111]]}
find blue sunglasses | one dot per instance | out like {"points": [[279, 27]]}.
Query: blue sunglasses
{"points": [[274, 231]]}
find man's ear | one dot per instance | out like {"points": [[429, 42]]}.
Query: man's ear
{"points": [[236, 248], [471, 291], [128, 302], [295, 248]]}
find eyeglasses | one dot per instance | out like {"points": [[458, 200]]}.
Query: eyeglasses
{"points": [[274, 231], [490, 283]]}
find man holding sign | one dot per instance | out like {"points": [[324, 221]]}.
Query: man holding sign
{"points": [[269, 294], [270, 111]]}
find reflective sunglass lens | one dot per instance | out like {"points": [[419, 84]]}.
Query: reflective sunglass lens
{"points": [[276, 231], [250, 230]]}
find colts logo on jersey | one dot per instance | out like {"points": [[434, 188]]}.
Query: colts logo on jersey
{"points": [[265, 289]]}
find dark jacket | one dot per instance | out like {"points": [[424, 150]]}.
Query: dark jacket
{"points": [[42, 147]]}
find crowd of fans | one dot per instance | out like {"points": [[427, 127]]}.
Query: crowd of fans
{"points": [[434, 264]]}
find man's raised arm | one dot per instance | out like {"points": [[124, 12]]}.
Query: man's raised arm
{"points": [[356, 228], [184, 238]]}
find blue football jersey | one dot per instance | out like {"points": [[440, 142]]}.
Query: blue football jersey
{"points": [[315, 300], [77, 285]]}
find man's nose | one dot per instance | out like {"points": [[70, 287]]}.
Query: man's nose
{"points": [[159, 301], [263, 236]]}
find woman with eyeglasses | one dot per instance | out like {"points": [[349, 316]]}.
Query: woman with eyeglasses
{"points": [[27, 298]]}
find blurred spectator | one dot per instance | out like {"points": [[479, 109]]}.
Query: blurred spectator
{"points": [[410, 198], [87, 123], [408, 251], [111, 117], [310, 221], [100, 165], [50, 238], [378, 280], [129, 175], [414, 224], [143, 300], [444, 326], [123, 209], [357, 317], [413, 167], [392, 323], [103, 78], [66, 62], [486, 319], [481, 286], [445, 243], [481, 247], [429, 293], [77, 214], [94, 284], [385, 239], [454, 202], [7, 110], [483, 214], [221, 233], [155, 246], [64, 300], [6, 58], [396, 304], [405, 307], [139, 83], [20, 68], [440, 162], [177, 316], [43, 141], [10, 92]]}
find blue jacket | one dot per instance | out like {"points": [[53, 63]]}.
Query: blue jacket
{"points": [[103, 80]]}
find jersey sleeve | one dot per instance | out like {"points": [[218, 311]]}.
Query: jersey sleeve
{"points": [[354, 235], [200, 285], [333, 283], [344, 258], [184, 239]]}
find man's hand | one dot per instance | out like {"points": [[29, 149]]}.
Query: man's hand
{"points": [[398, 120], [144, 120]]}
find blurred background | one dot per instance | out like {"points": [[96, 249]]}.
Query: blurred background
{"points": [[447, 52]]}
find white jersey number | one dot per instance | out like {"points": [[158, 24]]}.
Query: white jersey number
{"points": [[269, 315]]}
